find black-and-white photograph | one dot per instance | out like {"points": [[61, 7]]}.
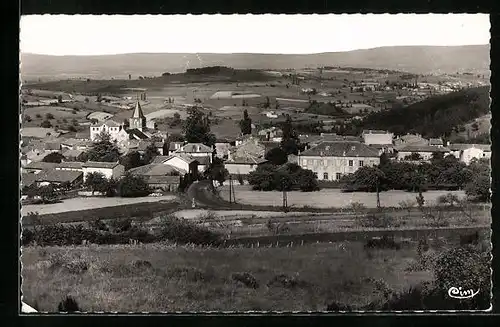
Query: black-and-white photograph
{"points": [[255, 163]]}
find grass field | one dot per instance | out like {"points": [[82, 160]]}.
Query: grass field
{"points": [[76, 204], [181, 278], [327, 198]]}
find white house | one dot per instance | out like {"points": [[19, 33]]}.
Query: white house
{"points": [[372, 137], [108, 169], [115, 130], [243, 165], [425, 151], [467, 152], [182, 162], [330, 160], [196, 150]]}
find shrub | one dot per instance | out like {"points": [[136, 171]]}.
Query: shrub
{"points": [[38, 116], [49, 116], [240, 179], [246, 279], [287, 282], [46, 124], [385, 242], [68, 304], [133, 186], [379, 220], [183, 231], [121, 225]]}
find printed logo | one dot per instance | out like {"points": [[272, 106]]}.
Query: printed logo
{"points": [[457, 293]]}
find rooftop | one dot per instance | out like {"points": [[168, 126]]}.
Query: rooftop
{"points": [[341, 149], [40, 165], [135, 133], [155, 169], [73, 153], [423, 148], [59, 176], [70, 164], [195, 148], [138, 111], [97, 164], [461, 147]]}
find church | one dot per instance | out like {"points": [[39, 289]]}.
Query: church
{"points": [[137, 128]]}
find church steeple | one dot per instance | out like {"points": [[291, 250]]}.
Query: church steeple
{"points": [[138, 120]]}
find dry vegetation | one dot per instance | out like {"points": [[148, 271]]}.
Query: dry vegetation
{"points": [[181, 278]]}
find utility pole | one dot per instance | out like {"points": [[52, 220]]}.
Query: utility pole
{"points": [[285, 200], [230, 193], [234, 195]]}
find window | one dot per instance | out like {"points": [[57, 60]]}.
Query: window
{"points": [[315, 162], [316, 174], [351, 163], [338, 176], [361, 163], [325, 176], [325, 162], [304, 162]]}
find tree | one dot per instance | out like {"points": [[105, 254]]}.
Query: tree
{"points": [[59, 98], [96, 182], [27, 118], [479, 188], [150, 153], [103, 150], [197, 128], [47, 193], [262, 178], [307, 181], [267, 104], [131, 160], [290, 141], [49, 116], [133, 186], [54, 157], [277, 156], [126, 123], [46, 124], [369, 179], [217, 171], [246, 124]]}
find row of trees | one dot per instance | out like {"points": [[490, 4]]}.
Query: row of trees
{"points": [[287, 177], [128, 186], [441, 173]]}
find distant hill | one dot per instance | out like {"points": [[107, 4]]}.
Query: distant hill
{"points": [[413, 59], [434, 117]]}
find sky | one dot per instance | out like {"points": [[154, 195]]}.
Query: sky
{"points": [[286, 34]]}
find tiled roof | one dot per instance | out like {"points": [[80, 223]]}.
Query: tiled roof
{"points": [[423, 148], [171, 146], [195, 148], [109, 123], [53, 146], [27, 179], [70, 164], [155, 170], [374, 131], [341, 149], [84, 135], [96, 164], [435, 142], [60, 176], [162, 159], [249, 160], [71, 142], [72, 153], [134, 132], [144, 144], [40, 165], [163, 180], [461, 147]]}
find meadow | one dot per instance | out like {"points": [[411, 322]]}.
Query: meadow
{"points": [[327, 198], [167, 278]]}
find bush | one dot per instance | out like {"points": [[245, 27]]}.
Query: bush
{"points": [[49, 116], [46, 124], [379, 220], [133, 186], [185, 232], [121, 225], [287, 282]]}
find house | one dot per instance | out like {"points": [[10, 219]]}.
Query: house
{"points": [[73, 155], [83, 135], [182, 162], [115, 130], [243, 165], [159, 176], [467, 152], [108, 169], [173, 146], [70, 165], [250, 147], [425, 151], [221, 149], [142, 145], [36, 167], [196, 150], [75, 144], [436, 142], [371, 137], [271, 134], [409, 139], [53, 146], [330, 160], [58, 177]]}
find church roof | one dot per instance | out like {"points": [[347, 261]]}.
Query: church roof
{"points": [[138, 111]]}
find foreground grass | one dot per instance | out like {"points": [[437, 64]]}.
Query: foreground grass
{"points": [[183, 278]]}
